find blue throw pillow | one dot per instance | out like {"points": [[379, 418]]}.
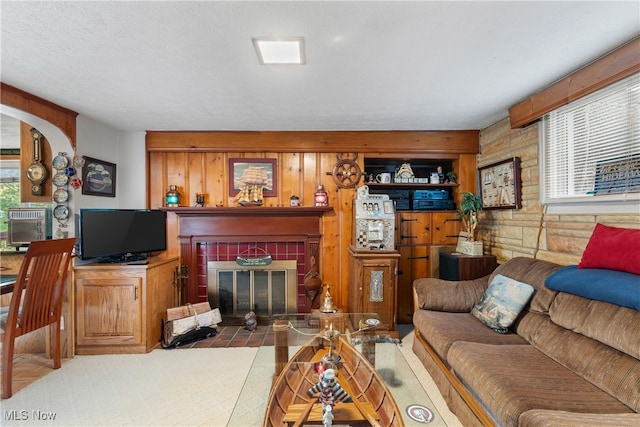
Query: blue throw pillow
{"points": [[612, 286], [502, 302]]}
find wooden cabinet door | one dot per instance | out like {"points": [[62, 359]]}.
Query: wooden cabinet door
{"points": [[445, 228], [414, 263], [109, 310], [379, 289], [413, 228]]}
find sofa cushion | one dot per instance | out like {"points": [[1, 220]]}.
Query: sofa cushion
{"points": [[547, 418], [444, 295], [502, 302], [616, 287], [534, 272], [612, 248], [512, 379], [618, 327], [442, 329], [611, 370]]}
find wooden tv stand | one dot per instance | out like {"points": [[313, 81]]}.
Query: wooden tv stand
{"points": [[119, 307]]}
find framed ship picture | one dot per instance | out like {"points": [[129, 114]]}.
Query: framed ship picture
{"points": [[244, 172]]}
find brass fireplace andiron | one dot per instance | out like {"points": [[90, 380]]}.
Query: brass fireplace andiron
{"points": [[327, 303]]}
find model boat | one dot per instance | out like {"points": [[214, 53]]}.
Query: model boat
{"points": [[290, 403], [253, 179]]}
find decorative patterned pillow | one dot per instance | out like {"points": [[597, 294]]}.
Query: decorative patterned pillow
{"points": [[502, 302]]}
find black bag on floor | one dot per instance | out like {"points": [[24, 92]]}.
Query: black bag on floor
{"points": [[189, 323]]}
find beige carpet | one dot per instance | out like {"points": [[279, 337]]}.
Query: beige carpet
{"points": [[187, 387]]}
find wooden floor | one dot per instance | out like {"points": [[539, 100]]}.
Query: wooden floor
{"points": [[28, 368]]}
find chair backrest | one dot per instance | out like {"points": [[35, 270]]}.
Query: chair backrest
{"points": [[39, 288]]}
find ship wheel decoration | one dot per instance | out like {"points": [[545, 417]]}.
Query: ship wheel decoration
{"points": [[346, 172]]}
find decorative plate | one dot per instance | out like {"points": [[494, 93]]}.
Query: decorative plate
{"points": [[420, 413], [60, 162], [61, 212], [372, 322], [60, 179], [60, 195]]}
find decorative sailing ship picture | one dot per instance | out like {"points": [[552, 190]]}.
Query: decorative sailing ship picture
{"points": [[251, 180]]}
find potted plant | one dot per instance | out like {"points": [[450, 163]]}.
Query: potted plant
{"points": [[470, 207]]}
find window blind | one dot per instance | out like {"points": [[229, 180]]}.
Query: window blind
{"points": [[591, 147]]}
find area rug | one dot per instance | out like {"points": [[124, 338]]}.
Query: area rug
{"points": [[195, 387]]}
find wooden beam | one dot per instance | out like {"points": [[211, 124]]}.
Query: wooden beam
{"points": [[609, 69], [60, 117], [409, 143]]}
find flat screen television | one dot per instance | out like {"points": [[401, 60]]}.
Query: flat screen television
{"points": [[120, 235]]}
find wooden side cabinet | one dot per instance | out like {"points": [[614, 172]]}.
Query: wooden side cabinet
{"points": [[373, 284], [456, 266], [119, 307]]}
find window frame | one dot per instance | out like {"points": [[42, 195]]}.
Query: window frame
{"points": [[622, 202]]}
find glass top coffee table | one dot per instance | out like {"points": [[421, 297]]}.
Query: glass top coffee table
{"points": [[362, 331]]}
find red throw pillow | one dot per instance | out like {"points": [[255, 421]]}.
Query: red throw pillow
{"points": [[613, 248]]}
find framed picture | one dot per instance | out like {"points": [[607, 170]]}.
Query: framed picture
{"points": [[253, 171], [98, 178], [500, 185]]}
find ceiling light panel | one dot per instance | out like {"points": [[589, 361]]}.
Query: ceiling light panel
{"points": [[280, 51]]}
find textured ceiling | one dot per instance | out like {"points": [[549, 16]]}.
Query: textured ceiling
{"points": [[370, 65]]}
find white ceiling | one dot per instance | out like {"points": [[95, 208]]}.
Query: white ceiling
{"points": [[388, 65]]}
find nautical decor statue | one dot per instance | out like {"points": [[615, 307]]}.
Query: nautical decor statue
{"points": [[254, 179], [330, 393]]}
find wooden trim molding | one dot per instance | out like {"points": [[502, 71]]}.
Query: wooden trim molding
{"points": [[407, 143], [61, 117], [609, 69]]}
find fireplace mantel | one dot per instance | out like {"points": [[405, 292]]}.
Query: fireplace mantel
{"points": [[252, 210], [244, 224]]}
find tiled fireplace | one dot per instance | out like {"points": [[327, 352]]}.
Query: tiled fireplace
{"points": [[275, 288], [216, 236]]}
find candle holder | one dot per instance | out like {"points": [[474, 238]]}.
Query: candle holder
{"points": [[200, 199]]}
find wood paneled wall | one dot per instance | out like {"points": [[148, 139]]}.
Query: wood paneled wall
{"points": [[199, 162]]}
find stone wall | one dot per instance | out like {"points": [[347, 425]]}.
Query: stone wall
{"points": [[530, 231]]}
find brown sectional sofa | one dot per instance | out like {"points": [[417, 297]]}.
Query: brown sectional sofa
{"points": [[567, 360]]}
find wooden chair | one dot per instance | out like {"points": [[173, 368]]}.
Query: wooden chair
{"points": [[37, 300]]}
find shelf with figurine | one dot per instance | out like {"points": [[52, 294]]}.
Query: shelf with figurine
{"points": [[384, 172]]}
